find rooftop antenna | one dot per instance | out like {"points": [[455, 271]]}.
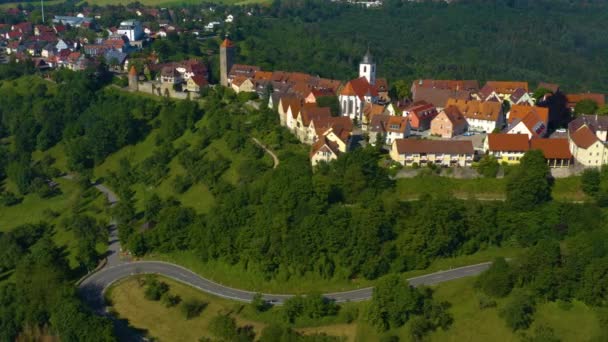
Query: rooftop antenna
{"points": [[42, 6]]}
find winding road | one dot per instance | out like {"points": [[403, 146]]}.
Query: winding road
{"points": [[275, 159], [93, 286]]}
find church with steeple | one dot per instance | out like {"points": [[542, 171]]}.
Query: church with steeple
{"points": [[356, 93]]}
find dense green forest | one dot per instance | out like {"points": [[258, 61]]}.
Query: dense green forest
{"points": [[553, 41]]}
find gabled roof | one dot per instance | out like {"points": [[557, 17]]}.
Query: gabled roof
{"points": [[438, 97], [473, 109], [518, 94], [342, 126], [549, 86], [470, 85], [506, 87], [534, 124], [291, 101], [381, 84], [508, 142], [454, 115], [573, 99], [552, 148], [584, 137], [433, 146], [199, 80], [359, 87], [325, 145], [594, 122], [520, 112], [309, 113], [389, 123]]}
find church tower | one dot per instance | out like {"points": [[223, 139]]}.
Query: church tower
{"points": [[367, 68], [133, 79], [226, 60]]}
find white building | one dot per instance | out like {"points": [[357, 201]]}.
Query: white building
{"points": [[356, 93], [132, 29]]}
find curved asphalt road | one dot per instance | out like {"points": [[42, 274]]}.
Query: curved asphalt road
{"points": [[92, 287]]}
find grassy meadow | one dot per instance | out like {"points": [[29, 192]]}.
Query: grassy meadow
{"points": [[572, 322]]}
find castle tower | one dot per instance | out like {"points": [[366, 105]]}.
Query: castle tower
{"points": [[367, 68], [133, 79], [227, 50]]}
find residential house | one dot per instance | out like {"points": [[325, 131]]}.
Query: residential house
{"points": [[308, 113], [521, 97], [587, 135], [531, 120], [410, 152], [353, 97], [242, 84], [508, 148], [196, 83], [329, 147], [315, 94], [573, 99], [388, 128], [369, 111], [169, 75], [115, 60], [420, 114], [480, 116], [242, 70], [470, 86], [449, 123], [284, 104], [531, 125], [382, 88], [499, 90], [556, 151], [438, 96]]}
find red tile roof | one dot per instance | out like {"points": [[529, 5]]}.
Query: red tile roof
{"points": [[521, 111], [508, 142], [584, 137], [472, 109], [359, 87], [573, 99], [552, 148]]}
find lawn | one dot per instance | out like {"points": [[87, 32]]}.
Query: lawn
{"points": [[577, 323], [564, 189], [33, 209], [168, 324]]}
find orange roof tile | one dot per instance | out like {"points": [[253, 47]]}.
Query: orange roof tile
{"points": [[227, 43], [520, 112], [473, 109], [508, 142], [584, 137], [552, 148]]}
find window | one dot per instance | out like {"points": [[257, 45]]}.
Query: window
{"points": [[364, 69]]}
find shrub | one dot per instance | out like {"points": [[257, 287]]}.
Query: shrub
{"points": [[170, 300], [155, 289], [193, 308], [519, 311], [182, 183], [9, 199], [497, 281]]}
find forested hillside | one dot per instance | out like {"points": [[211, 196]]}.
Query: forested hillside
{"points": [[553, 41]]}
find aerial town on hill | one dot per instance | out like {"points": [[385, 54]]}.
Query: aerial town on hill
{"points": [[448, 123]]}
